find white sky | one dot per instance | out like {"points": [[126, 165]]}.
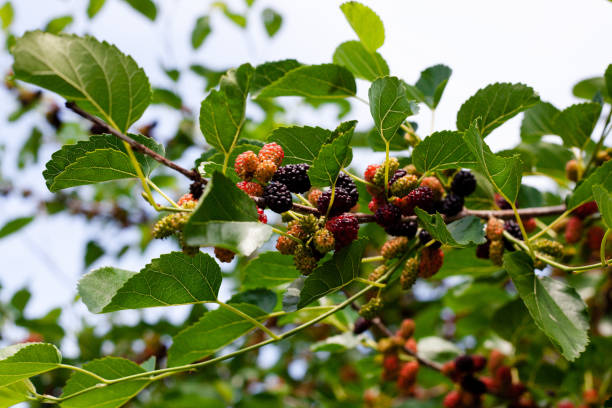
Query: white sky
{"points": [[547, 44]]}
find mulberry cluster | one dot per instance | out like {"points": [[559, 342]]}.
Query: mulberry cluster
{"points": [[398, 362], [345, 197]]}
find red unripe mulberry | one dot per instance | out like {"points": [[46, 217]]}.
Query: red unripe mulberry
{"points": [[573, 230]]}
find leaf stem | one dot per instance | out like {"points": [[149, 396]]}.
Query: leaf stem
{"points": [[373, 259], [304, 200], [369, 282], [602, 248], [357, 178], [522, 227], [280, 232], [140, 174], [551, 225], [83, 371], [386, 167], [604, 133], [160, 191], [249, 318]]}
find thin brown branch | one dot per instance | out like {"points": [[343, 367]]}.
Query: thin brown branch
{"points": [[138, 147]]}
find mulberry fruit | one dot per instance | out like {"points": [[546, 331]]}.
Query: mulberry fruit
{"points": [[345, 228], [265, 171], [451, 205], [273, 152], [482, 250], [286, 245], [304, 260], [399, 173], [170, 224], [262, 216], [407, 376], [571, 170], [361, 325], [513, 229], [573, 230], [409, 274], [379, 177], [406, 329], [377, 273], [224, 255], [313, 196], [425, 237], [375, 203], [421, 197], [431, 262], [394, 248], [343, 201], [186, 198], [245, 165], [370, 172], [404, 185], [278, 197], [496, 252], [251, 188], [550, 248], [436, 187], [463, 184], [494, 229], [309, 224], [323, 240], [406, 229], [501, 202], [388, 215], [594, 237], [586, 209], [294, 176], [371, 309]]}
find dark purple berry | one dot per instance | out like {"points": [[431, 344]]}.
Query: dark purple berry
{"points": [[343, 201], [397, 175], [464, 183], [277, 197], [403, 229], [294, 176], [451, 205], [388, 215], [425, 237], [361, 325]]}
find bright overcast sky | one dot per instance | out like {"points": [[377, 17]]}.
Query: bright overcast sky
{"points": [[547, 44]]}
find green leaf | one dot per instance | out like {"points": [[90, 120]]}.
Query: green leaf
{"points": [[576, 123], [168, 97], [200, 32], [555, 307], [222, 112], [361, 62], [14, 225], [267, 73], [171, 279], [334, 274], [591, 87], [503, 172], [494, 105], [431, 85], [93, 252], [7, 13], [268, 270], [584, 191], [58, 24], [216, 329], [467, 231], [265, 299], [24, 360], [389, 106], [94, 7], [29, 151], [110, 396], [272, 21], [538, 121], [99, 159], [442, 150], [332, 158], [96, 75], [15, 393], [313, 81], [226, 217], [300, 143], [145, 7], [366, 24], [603, 198], [236, 18]]}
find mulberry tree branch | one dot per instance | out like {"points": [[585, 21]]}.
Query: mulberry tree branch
{"points": [[138, 147]]}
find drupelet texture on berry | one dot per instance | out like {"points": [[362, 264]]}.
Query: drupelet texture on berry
{"points": [[262, 216], [344, 227], [421, 197], [277, 197], [343, 201], [251, 188], [431, 262], [464, 183], [272, 151], [265, 171], [245, 165], [388, 215], [370, 172], [435, 185], [294, 176], [406, 229], [451, 205], [399, 173]]}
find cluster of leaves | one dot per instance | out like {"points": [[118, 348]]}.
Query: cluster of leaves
{"points": [[489, 307]]}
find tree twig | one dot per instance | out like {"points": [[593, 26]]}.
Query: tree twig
{"points": [[191, 174]]}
